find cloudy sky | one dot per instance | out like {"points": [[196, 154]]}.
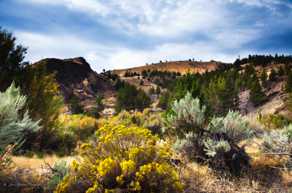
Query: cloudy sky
{"points": [[123, 33]]}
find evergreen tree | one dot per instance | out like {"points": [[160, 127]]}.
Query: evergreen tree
{"points": [[264, 77], [257, 96], [288, 86], [11, 58], [281, 71], [289, 102], [44, 101], [273, 75], [249, 76], [130, 98], [288, 89], [75, 106], [221, 94], [158, 90], [164, 100]]}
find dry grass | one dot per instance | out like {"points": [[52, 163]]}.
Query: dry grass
{"points": [[174, 66], [28, 175], [201, 179], [36, 163], [264, 176]]}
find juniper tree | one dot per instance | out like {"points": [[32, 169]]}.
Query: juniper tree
{"points": [[273, 75], [288, 86], [11, 58], [221, 93], [257, 96], [45, 102], [264, 78]]}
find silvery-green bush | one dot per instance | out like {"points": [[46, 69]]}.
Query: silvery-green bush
{"points": [[15, 123], [234, 125], [231, 128], [186, 116], [213, 147], [215, 142], [278, 141]]}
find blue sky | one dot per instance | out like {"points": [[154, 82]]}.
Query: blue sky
{"points": [[123, 33]]}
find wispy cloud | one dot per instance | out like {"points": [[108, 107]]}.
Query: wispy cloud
{"points": [[109, 57], [116, 34]]}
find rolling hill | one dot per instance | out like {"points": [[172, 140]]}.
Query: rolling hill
{"points": [[182, 67]]}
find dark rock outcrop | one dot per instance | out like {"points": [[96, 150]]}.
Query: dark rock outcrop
{"points": [[77, 79]]}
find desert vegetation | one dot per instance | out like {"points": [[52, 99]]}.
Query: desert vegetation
{"points": [[196, 136]]}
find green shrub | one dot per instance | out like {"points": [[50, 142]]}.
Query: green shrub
{"points": [[95, 110], [81, 126], [72, 129], [271, 121], [75, 106], [131, 98], [45, 102]]}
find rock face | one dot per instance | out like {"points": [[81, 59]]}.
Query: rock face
{"points": [[77, 79]]}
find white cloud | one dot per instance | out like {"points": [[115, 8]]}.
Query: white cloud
{"points": [[164, 18], [184, 17], [42, 46], [171, 22], [87, 6], [112, 57], [171, 52], [272, 5]]}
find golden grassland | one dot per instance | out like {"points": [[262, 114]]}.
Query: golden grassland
{"points": [[182, 67], [36, 163]]}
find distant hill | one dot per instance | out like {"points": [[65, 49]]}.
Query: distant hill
{"points": [[182, 67], [77, 79]]}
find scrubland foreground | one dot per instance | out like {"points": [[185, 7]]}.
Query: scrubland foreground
{"points": [[146, 131]]}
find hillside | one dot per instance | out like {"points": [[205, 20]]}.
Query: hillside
{"points": [[182, 67], [77, 79]]}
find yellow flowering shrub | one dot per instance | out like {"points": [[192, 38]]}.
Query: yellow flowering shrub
{"points": [[122, 159], [146, 119], [81, 126]]}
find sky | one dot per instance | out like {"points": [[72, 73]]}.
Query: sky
{"points": [[113, 34]]}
